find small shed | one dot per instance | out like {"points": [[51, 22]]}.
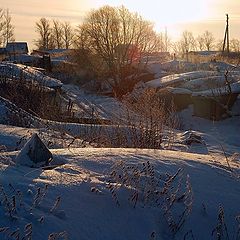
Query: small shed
{"points": [[213, 108], [179, 97], [16, 48]]}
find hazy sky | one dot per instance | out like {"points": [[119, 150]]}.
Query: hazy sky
{"points": [[175, 15]]}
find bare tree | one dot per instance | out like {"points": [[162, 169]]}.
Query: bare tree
{"points": [[81, 38], [43, 28], [177, 47], [164, 42], [219, 45], [1, 25], [8, 28], [57, 32], [200, 42], [208, 40], [235, 45], [67, 34], [188, 42], [120, 39]]}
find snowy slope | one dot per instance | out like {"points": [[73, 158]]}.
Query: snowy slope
{"points": [[87, 210], [93, 105]]}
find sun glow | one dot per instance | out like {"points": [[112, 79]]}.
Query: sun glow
{"points": [[175, 12], [165, 12]]}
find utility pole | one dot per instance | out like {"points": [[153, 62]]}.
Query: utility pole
{"points": [[226, 36]]}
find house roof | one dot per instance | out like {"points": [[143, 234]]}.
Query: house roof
{"points": [[17, 47]]}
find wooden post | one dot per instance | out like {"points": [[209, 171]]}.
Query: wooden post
{"points": [[226, 36]]}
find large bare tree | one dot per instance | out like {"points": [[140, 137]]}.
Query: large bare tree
{"points": [[120, 39]]}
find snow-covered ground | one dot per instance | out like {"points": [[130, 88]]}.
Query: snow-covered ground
{"points": [[78, 196], [93, 105], [219, 136], [187, 190], [106, 193]]}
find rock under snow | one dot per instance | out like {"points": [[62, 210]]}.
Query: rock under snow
{"points": [[34, 153]]}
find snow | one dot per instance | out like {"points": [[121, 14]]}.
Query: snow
{"points": [[178, 90], [235, 88], [219, 136], [198, 83], [18, 71], [87, 210], [79, 180], [93, 105], [206, 53], [24, 58], [122, 193], [179, 78]]}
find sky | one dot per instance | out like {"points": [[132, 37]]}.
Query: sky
{"points": [[174, 15]]}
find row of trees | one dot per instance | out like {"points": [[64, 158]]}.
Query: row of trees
{"points": [[54, 34], [57, 34], [203, 42], [6, 27]]}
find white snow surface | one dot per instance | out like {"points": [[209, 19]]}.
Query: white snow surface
{"points": [[78, 197], [80, 178], [93, 105], [87, 210], [180, 78], [18, 71]]}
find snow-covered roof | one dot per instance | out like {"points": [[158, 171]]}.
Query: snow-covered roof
{"points": [[179, 78], [24, 58], [205, 53], [29, 74], [235, 88]]}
